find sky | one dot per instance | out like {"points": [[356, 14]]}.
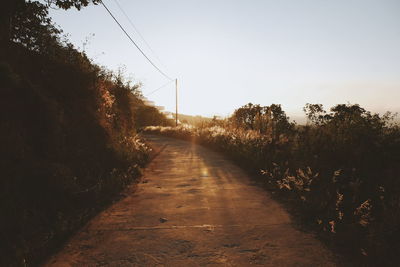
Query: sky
{"points": [[227, 53]]}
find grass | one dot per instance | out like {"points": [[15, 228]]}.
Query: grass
{"points": [[339, 172]]}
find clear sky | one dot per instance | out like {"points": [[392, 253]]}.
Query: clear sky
{"points": [[226, 53]]}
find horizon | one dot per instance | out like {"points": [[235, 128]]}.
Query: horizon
{"points": [[286, 53]]}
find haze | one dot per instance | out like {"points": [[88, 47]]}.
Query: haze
{"points": [[228, 53]]}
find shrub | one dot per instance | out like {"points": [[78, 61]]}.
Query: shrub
{"points": [[340, 172]]}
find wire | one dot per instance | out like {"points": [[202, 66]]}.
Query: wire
{"points": [[159, 88], [130, 38], [138, 32]]}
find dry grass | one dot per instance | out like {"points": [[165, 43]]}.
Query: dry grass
{"points": [[340, 173]]}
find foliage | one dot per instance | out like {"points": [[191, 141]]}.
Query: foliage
{"points": [[32, 27], [27, 21], [66, 4], [69, 143], [196, 120], [270, 120], [148, 115], [340, 172], [67, 132]]}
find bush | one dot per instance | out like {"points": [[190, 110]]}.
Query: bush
{"points": [[340, 172], [69, 145], [67, 133]]}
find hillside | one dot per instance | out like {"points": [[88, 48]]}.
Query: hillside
{"points": [[67, 133]]}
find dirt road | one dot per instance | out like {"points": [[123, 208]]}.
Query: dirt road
{"points": [[193, 208]]}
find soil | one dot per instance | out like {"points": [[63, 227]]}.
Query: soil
{"points": [[193, 207]]}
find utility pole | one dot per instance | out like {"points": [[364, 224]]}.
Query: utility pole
{"points": [[176, 102]]}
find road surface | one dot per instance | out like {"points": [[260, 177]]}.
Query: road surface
{"points": [[192, 208]]}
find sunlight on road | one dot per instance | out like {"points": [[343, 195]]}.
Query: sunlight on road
{"points": [[204, 172]]}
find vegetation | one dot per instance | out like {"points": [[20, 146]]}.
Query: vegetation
{"points": [[339, 172], [69, 145], [193, 120], [67, 134]]}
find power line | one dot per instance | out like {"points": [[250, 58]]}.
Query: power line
{"points": [[141, 51], [138, 32], [159, 88], [151, 62]]}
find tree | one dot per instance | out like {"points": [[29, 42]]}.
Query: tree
{"points": [[7, 11], [270, 120], [27, 21], [315, 113], [67, 4], [279, 121], [246, 115], [32, 27]]}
